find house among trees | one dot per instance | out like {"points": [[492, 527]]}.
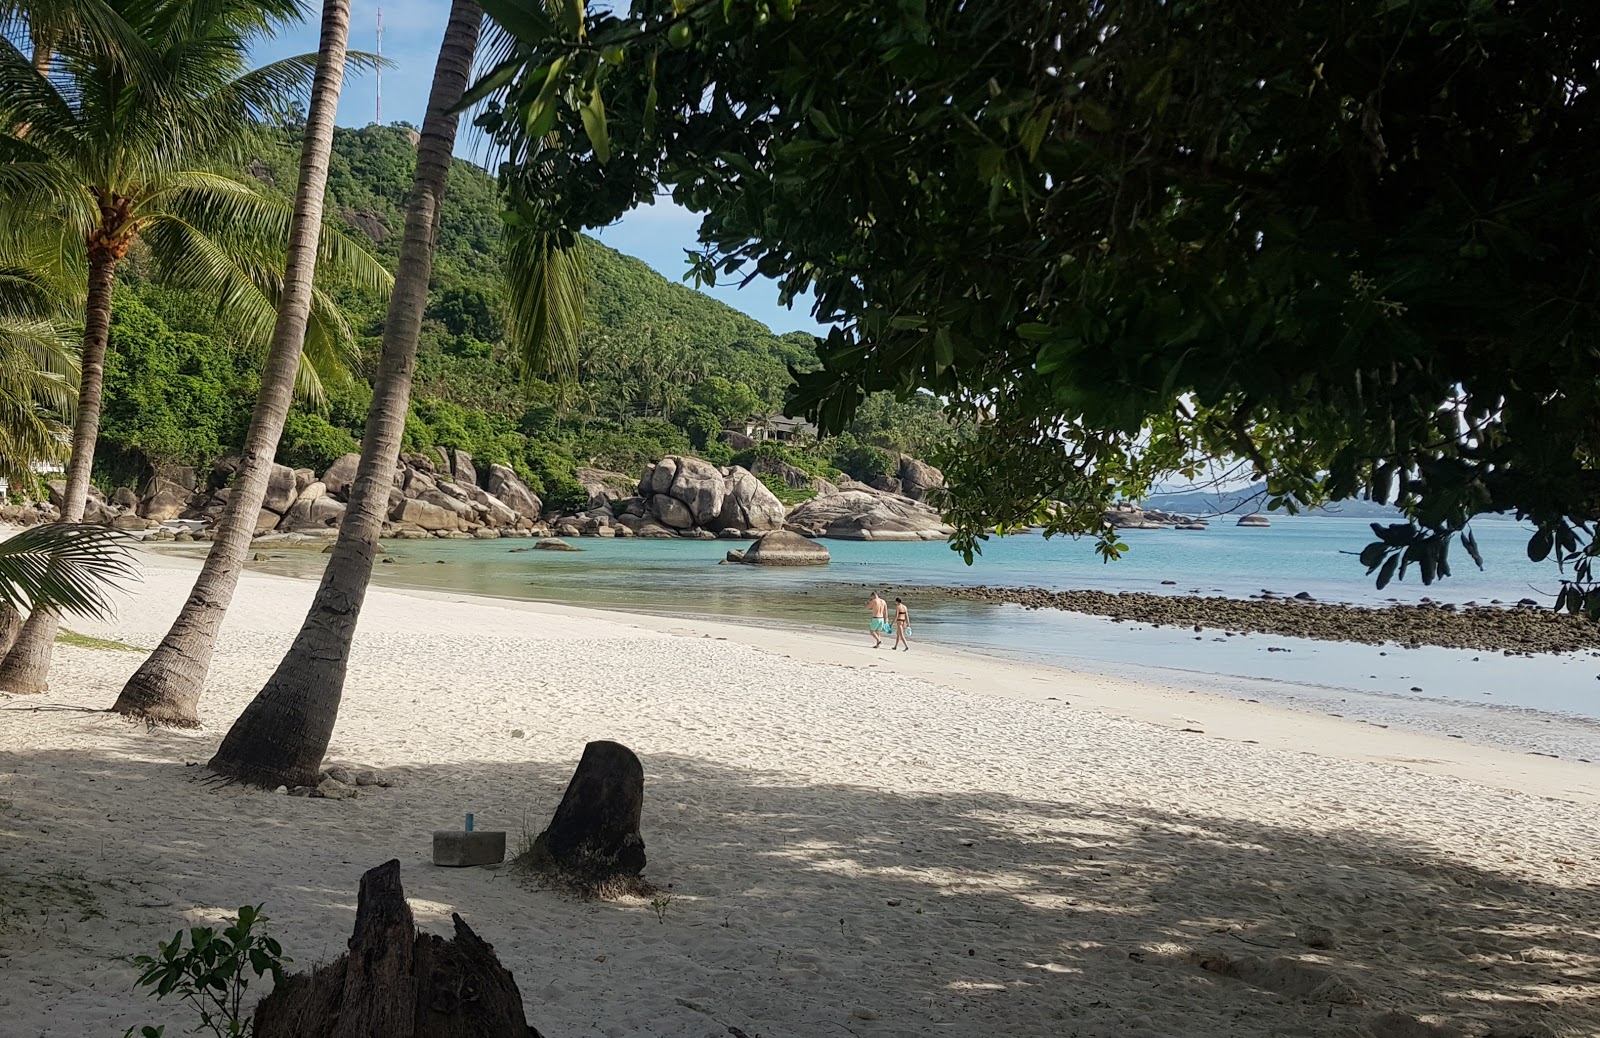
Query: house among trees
{"points": [[778, 427]]}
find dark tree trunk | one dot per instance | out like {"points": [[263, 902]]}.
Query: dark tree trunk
{"points": [[165, 690], [592, 844], [282, 735], [397, 983], [27, 665]]}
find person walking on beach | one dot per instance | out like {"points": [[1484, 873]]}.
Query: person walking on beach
{"points": [[880, 623], [902, 626]]}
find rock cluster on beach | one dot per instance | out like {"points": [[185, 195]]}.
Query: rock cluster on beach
{"points": [[1513, 630]]}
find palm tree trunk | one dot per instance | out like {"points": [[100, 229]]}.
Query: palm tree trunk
{"points": [[165, 690], [282, 735], [10, 626], [27, 666]]}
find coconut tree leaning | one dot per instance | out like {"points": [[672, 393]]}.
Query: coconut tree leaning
{"points": [[166, 688], [114, 157], [282, 735]]}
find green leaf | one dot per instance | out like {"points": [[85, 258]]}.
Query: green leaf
{"points": [[944, 348], [1387, 573], [1539, 545], [593, 113], [572, 16], [495, 79], [527, 22], [1372, 555]]}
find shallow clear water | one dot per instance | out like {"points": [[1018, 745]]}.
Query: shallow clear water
{"points": [[1547, 703]]}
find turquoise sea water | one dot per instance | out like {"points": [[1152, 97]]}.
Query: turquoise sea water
{"points": [[1548, 703]]}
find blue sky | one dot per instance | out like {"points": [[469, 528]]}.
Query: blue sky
{"points": [[412, 29]]}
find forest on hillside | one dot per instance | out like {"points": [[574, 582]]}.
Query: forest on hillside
{"points": [[662, 368]]}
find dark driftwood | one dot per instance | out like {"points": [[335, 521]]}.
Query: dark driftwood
{"points": [[592, 844], [397, 983]]}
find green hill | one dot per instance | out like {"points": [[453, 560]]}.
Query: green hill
{"points": [[663, 367]]}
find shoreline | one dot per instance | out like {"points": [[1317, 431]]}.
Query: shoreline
{"points": [[932, 842], [1511, 727], [1246, 721]]}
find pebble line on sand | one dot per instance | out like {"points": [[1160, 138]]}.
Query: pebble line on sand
{"points": [[1519, 629]]}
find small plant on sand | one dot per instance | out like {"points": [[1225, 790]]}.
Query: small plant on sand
{"points": [[210, 974], [659, 904]]}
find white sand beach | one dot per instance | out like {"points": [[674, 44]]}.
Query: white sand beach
{"points": [[858, 842]]}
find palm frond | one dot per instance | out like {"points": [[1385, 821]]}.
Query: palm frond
{"points": [[549, 287], [241, 218], [68, 567]]}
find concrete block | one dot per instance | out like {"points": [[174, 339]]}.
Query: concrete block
{"points": [[457, 848]]}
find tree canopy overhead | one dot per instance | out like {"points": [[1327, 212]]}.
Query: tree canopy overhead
{"points": [[1350, 241]]}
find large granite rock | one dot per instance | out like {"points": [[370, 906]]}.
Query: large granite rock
{"points": [[747, 504], [504, 484], [281, 489], [697, 486], [605, 488], [858, 512], [340, 475], [782, 548], [425, 515], [491, 509], [461, 465], [700, 486], [318, 512], [671, 511], [164, 498], [917, 478], [690, 494]]}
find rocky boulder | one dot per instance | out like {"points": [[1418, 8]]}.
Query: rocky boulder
{"points": [[917, 478], [281, 489], [747, 504], [782, 548], [857, 512], [313, 513], [164, 499], [461, 465], [605, 487], [425, 515], [671, 511], [697, 486], [340, 475], [504, 484]]}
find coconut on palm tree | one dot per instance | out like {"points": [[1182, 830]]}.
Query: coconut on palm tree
{"points": [[124, 137]]}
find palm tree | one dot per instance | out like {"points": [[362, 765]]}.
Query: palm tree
{"points": [[282, 735], [122, 137], [166, 687]]}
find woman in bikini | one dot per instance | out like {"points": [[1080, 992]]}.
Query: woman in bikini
{"points": [[902, 626]]}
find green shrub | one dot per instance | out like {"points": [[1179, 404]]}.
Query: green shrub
{"points": [[310, 442], [210, 974]]}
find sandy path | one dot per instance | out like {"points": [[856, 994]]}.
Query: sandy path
{"points": [[858, 844]]}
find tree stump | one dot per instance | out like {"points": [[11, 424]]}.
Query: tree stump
{"points": [[397, 983], [592, 845]]}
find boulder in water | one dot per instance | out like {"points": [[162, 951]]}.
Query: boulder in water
{"points": [[782, 548]]}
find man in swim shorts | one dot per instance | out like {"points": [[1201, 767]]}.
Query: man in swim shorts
{"points": [[880, 623]]}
